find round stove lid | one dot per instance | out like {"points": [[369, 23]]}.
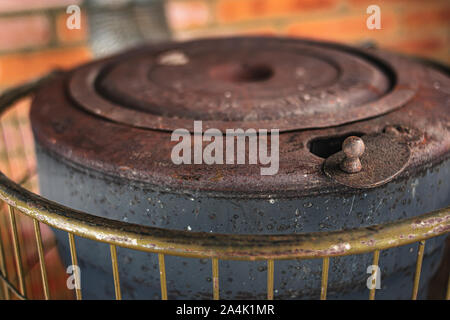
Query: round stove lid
{"points": [[115, 116], [257, 83]]}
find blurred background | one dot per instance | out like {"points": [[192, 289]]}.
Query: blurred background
{"points": [[34, 39]]}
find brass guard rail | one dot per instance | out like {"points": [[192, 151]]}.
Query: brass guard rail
{"points": [[225, 246]]}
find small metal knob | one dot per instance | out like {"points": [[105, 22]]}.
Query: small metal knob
{"points": [[353, 148]]}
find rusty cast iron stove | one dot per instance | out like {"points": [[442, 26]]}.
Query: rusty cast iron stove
{"points": [[107, 150]]}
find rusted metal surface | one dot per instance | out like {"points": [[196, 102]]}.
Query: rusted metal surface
{"points": [[137, 88], [241, 83], [384, 158]]}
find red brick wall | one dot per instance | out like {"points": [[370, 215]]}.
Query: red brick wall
{"points": [[34, 39], [419, 27]]}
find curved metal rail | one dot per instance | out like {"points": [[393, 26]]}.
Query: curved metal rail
{"points": [[225, 246]]}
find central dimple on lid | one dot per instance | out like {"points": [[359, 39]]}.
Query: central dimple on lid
{"points": [[241, 72]]}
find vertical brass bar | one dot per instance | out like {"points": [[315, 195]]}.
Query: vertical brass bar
{"points": [[447, 296], [418, 269], [17, 254], [73, 254], [325, 267], [376, 258], [115, 267], [37, 231], [7, 171], [270, 273], [20, 127], [8, 166], [3, 269], [162, 276], [215, 272]]}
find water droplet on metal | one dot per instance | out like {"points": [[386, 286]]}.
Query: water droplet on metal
{"points": [[437, 85]]}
